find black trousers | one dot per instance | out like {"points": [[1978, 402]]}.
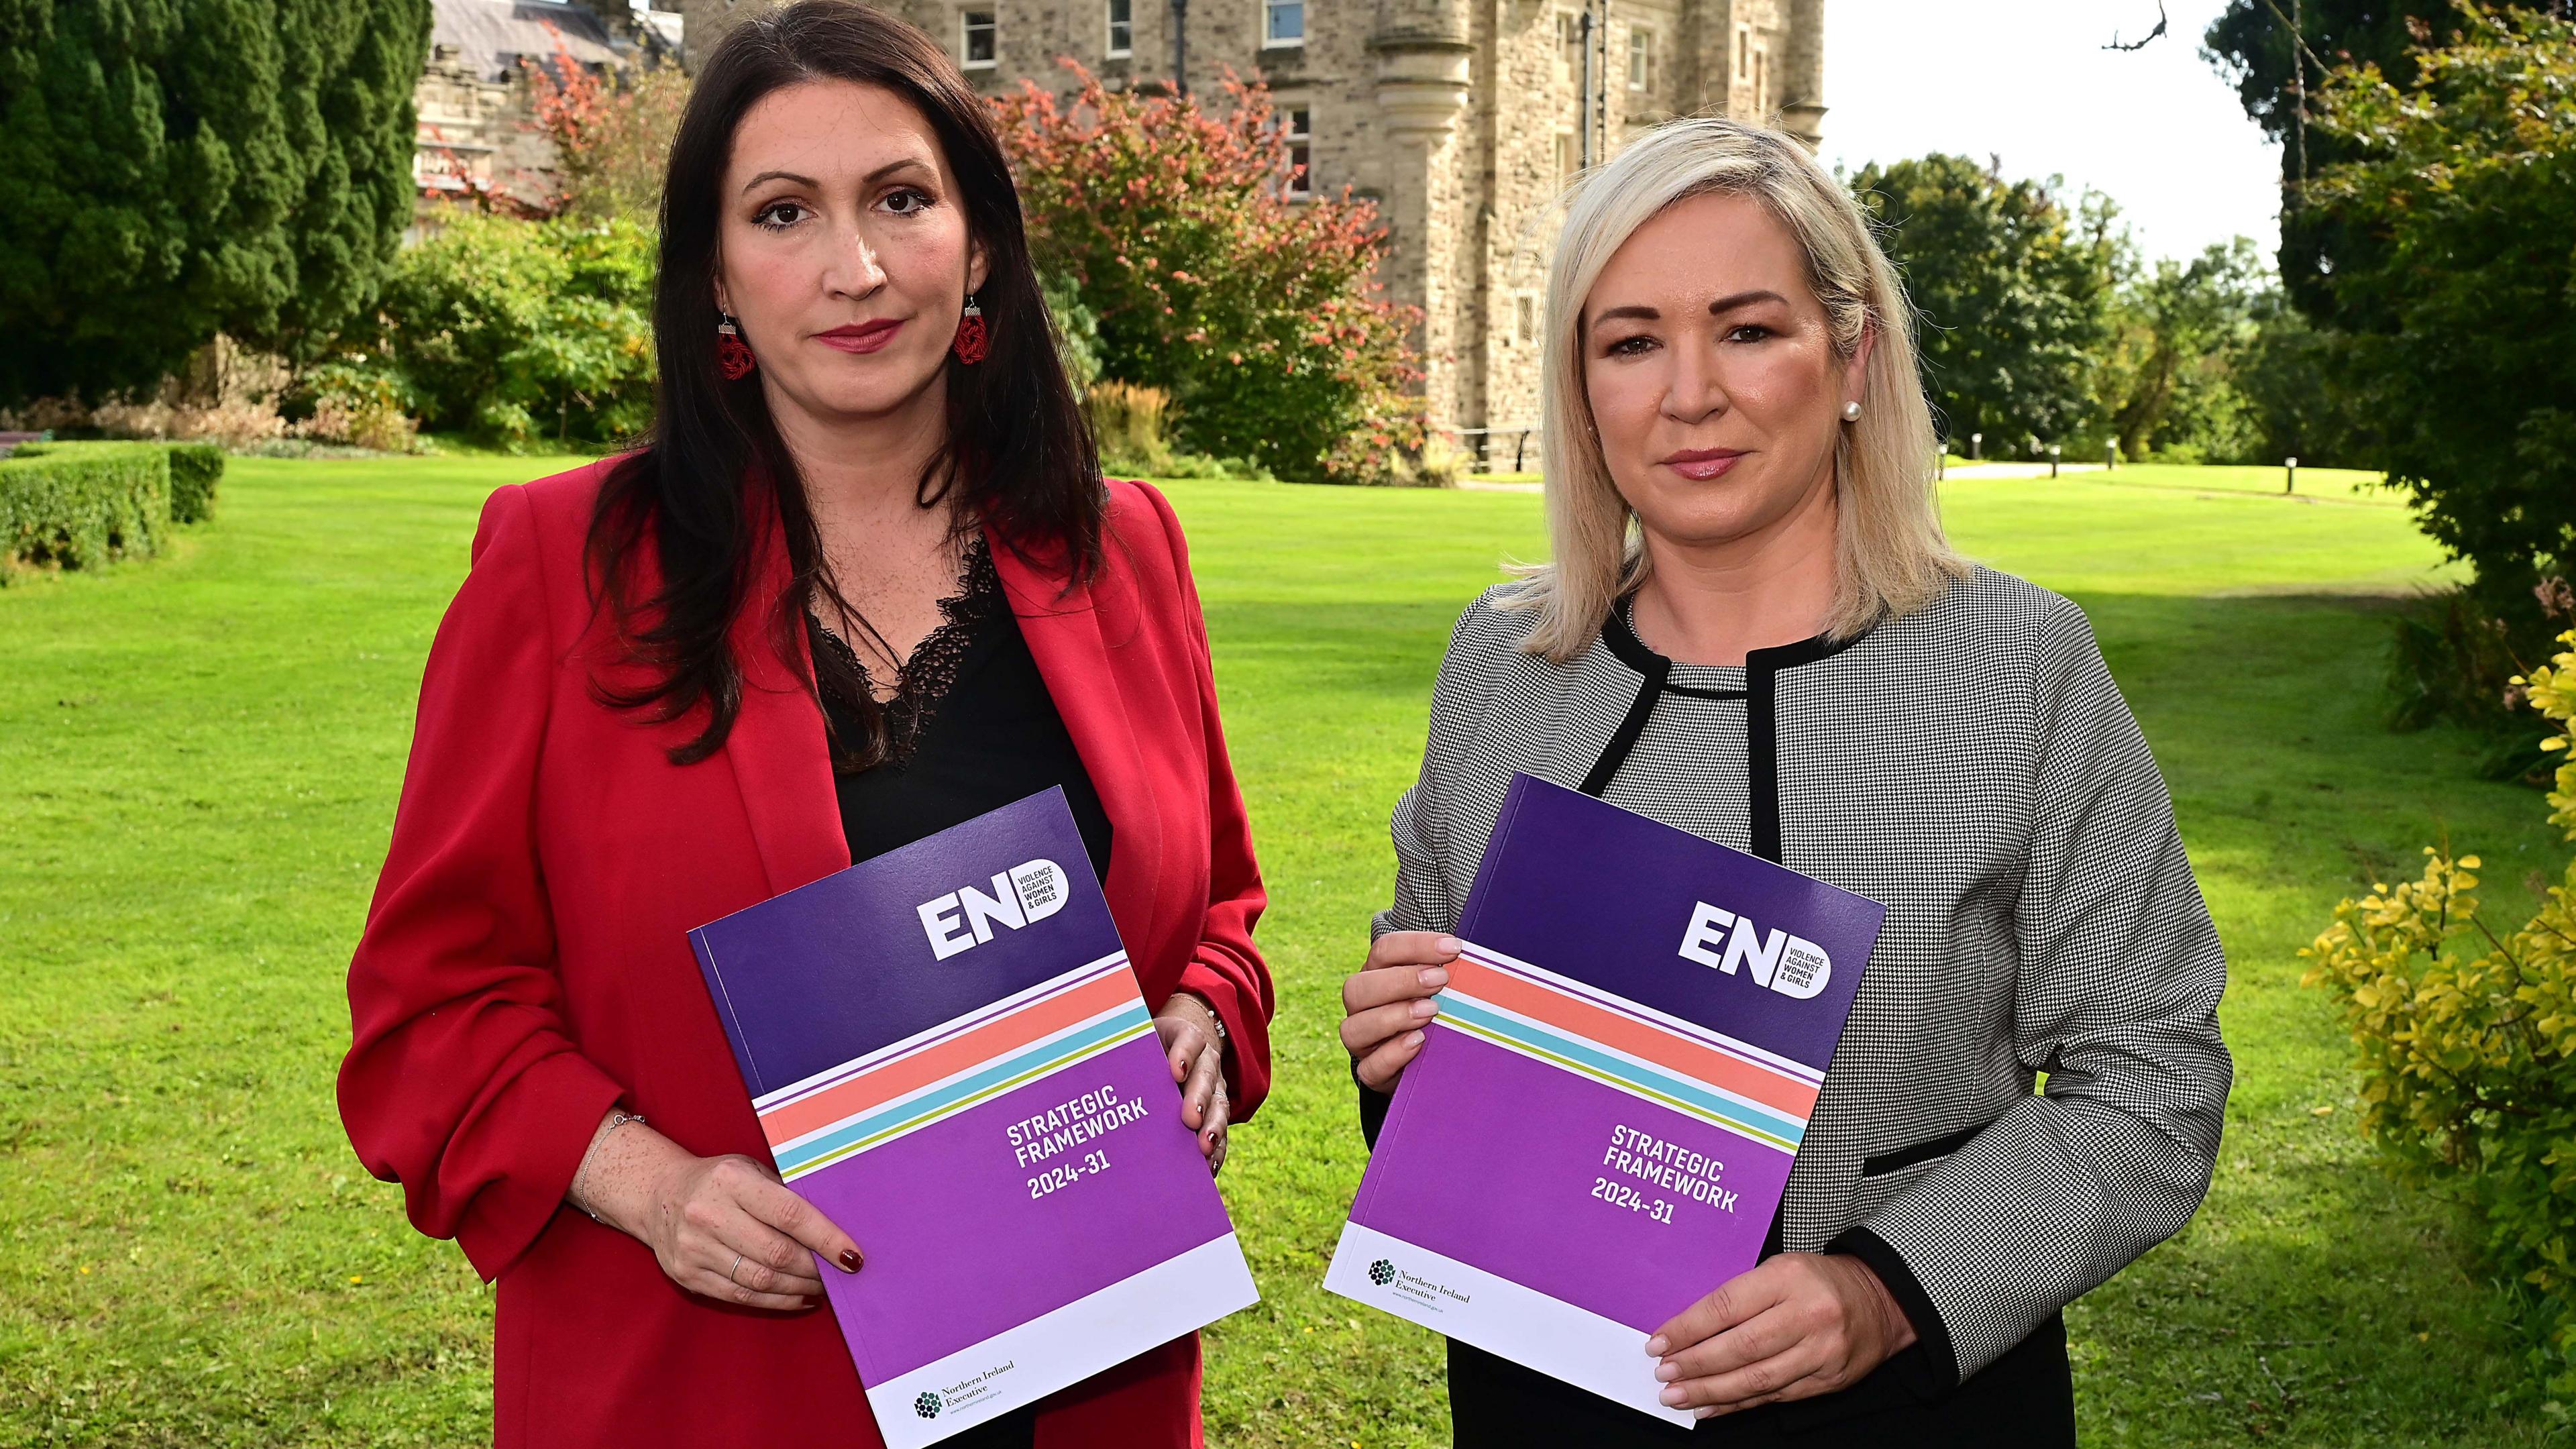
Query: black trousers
{"points": [[2026, 1399]]}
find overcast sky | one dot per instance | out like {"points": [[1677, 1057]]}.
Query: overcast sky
{"points": [[2157, 129]]}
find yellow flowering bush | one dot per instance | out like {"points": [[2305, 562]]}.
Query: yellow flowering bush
{"points": [[2468, 1042]]}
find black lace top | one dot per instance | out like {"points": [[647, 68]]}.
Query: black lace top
{"points": [[970, 728]]}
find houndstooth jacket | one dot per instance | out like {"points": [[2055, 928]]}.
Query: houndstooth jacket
{"points": [[1974, 768]]}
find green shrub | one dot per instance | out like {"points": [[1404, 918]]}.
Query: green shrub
{"points": [[1077, 330], [79, 508], [361, 406], [2468, 1044], [519, 333], [195, 469], [1133, 428], [2452, 658]]}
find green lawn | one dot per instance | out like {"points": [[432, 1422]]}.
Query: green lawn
{"points": [[198, 759]]}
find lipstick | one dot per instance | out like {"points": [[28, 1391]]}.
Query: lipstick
{"points": [[1703, 464], [860, 337]]}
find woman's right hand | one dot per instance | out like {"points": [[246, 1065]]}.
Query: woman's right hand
{"points": [[1387, 1003], [724, 1227]]}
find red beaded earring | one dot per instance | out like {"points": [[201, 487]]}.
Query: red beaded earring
{"points": [[733, 357], [970, 342]]}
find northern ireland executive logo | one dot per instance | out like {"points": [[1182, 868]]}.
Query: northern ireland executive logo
{"points": [[927, 1406], [1381, 1272]]}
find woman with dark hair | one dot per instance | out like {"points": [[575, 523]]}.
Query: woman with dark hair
{"points": [[864, 583]]}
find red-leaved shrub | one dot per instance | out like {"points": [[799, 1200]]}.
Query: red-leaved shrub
{"points": [[1259, 313]]}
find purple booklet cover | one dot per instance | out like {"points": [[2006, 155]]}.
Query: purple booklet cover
{"points": [[1603, 1115], [950, 1058]]}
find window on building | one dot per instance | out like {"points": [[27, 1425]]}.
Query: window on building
{"points": [[1283, 22], [1761, 81], [1569, 42], [1525, 319], [1122, 27], [1641, 60], [1569, 157], [1300, 136], [1743, 51], [978, 37]]}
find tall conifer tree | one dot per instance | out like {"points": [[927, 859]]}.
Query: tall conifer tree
{"points": [[170, 169]]}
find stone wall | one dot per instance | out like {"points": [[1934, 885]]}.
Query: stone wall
{"points": [[477, 136]]}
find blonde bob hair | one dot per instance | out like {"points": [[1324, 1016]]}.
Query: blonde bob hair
{"points": [[1890, 555]]}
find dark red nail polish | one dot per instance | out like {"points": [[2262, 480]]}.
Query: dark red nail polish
{"points": [[850, 1260]]}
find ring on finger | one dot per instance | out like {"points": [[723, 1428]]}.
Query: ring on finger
{"points": [[729, 1272]]}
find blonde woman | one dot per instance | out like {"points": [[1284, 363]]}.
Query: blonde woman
{"points": [[1753, 629]]}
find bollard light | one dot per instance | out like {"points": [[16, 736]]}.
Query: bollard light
{"points": [[2052, 460], [1976, 446], [2111, 453], [2290, 474]]}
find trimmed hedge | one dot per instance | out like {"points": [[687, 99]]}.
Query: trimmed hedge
{"points": [[79, 509], [195, 470]]}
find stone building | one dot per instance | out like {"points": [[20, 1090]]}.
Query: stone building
{"points": [[478, 140], [1462, 118]]}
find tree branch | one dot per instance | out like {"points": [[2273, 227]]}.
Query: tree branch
{"points": [[2148, 39]]}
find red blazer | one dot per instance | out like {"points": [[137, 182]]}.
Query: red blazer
{"points": [[525, 966]]}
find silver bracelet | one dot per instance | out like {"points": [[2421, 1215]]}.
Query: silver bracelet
{"points": [[1224, 1043], [1214, 1020], [615, 1121]]}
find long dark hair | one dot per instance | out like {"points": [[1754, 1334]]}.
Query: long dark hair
{"points": [[1017, 459]]}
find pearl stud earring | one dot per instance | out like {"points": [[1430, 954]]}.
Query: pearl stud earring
{"points": [[1851, 412]]}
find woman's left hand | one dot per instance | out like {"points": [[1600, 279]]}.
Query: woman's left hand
{"points": [[1798, 1325], [1187, 1025]]}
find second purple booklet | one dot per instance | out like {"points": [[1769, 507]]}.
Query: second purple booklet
{"points": [[1603, 1116]]}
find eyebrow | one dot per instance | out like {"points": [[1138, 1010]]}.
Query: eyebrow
{"points": [[879, 174], [1717, 308]]}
